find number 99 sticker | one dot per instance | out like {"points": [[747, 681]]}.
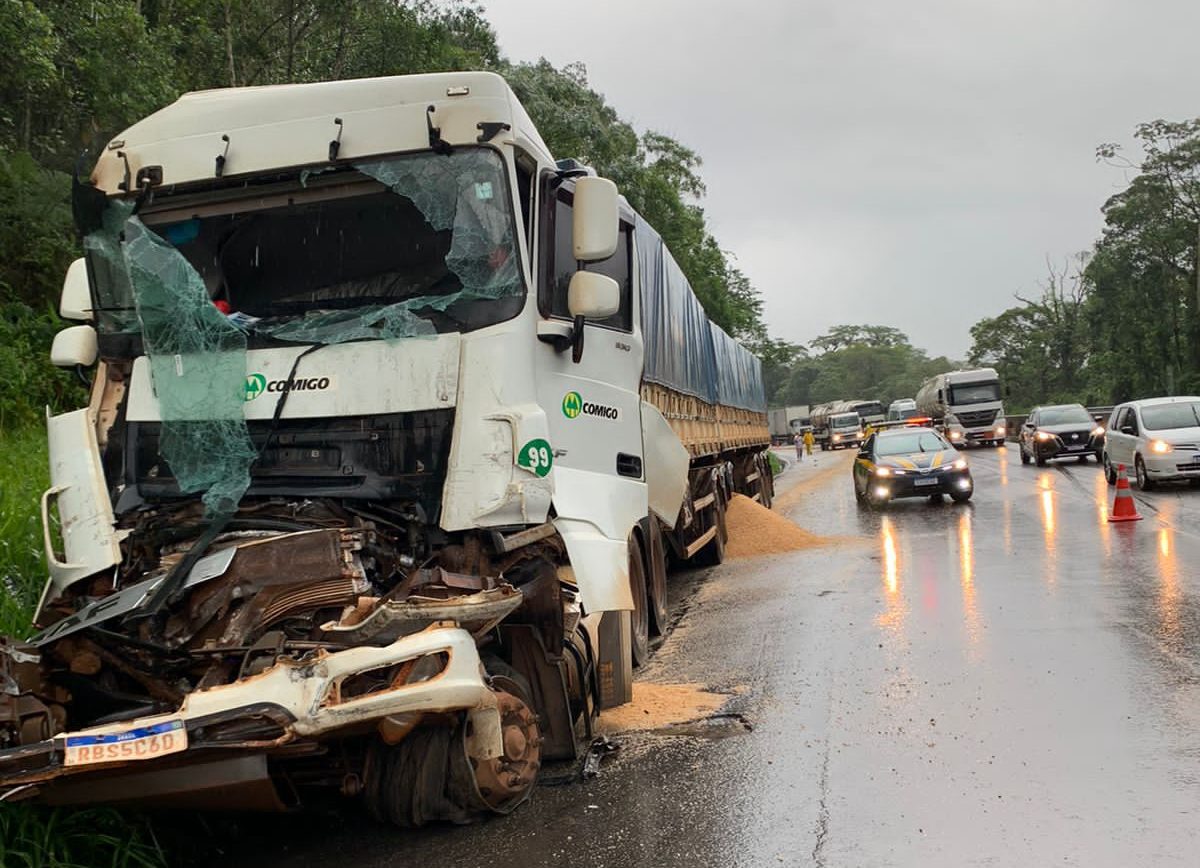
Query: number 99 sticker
{"points": [[536, 456]]}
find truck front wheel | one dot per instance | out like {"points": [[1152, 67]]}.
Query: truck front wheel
{"points": [[640, 616]]}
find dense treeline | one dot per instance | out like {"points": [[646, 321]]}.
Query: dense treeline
{"points": [[1123, 320], [853, 361], [75, 72]]}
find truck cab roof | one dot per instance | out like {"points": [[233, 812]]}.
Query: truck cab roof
{"points": [[257, 129]]}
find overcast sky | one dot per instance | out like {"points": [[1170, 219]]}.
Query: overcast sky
{"points": [[902, 163]]}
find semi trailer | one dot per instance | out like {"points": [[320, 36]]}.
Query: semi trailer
{"points": [[968, 405], [786, 422], [394, 424]]}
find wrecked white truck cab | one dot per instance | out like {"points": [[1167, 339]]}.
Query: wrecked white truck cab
{"points": [[392, 421]]}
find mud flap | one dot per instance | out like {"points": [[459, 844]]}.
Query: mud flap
{"points": [[614, 668]]}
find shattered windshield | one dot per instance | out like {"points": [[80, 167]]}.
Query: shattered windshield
{"points": [[396, 247]]}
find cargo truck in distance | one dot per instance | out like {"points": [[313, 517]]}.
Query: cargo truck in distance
{"points": [[966, 404], [836, 425], [786, 422], [393, 423]]}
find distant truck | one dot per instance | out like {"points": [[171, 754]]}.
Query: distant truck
{"points": [[836, 425], [869, 412], [902, 409], [967, 404], [786, 422]]}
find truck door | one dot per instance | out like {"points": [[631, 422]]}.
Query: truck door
{"points": [[593, 406]]}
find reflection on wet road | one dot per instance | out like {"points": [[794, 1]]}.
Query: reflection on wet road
{"points": [[1012, 681]]}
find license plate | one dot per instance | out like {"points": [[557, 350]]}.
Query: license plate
{"points": [[145, 742], [1076, 447], [920, 482]]}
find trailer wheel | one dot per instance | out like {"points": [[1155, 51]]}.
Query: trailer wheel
{"points": [[640, 616], [656, 567], [713, 554], [765, 488]]}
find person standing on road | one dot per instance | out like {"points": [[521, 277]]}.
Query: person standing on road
{"points": [[808, 442], [799, 441]]}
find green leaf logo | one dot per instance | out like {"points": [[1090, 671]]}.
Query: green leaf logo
{"points": [[255, 385], [572, 405]]}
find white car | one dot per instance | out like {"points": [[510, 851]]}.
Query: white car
{"points": [[1158, 439]]}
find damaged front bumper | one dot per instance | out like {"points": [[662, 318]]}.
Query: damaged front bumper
{"points": [[290, 702]]}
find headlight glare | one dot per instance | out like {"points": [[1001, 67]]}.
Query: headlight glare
{"points": [[1098, 431], [960, 464], [1043, 436], [1162, 447]]}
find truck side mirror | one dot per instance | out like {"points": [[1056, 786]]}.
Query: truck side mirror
{"points": [[75, 303], [75, 347], [941, 397], [590, 295], [593, 295], [595, 225]]}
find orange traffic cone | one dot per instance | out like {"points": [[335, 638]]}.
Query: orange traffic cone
{"points": [[1123, 508]]}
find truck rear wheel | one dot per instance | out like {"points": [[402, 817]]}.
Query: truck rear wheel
{"points": [[713, 554], [640, 616], [765, 487]]}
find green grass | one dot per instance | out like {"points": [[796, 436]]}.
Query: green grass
{"points": [[776, 464], [32, 836], [24, 475]]}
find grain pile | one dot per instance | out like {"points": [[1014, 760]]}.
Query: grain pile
{"points": [[655, 706], [755, 530]]}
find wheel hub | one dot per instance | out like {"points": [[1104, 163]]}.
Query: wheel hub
{"points": [[503, 782]]}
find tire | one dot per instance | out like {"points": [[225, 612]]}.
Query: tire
{"points": [[935, 498], [961, 496], [1083, 459], [656, 558], [1024, 455], [640, 616], [1110, 472], [764, 481], [1039, 460], [1142, 480], [713, 554], [859, 497]]}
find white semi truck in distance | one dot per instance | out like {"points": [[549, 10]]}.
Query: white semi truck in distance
{"points": [[786, 422], [394, 422], [967, 404]]}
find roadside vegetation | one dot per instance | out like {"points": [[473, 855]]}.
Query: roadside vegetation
{"points": [[1122, 320]]}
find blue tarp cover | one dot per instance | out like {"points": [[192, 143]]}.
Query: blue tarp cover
{"points": [[683, 350], [739, 373]]}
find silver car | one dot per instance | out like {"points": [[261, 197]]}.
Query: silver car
{"points": [[1157, 439]]}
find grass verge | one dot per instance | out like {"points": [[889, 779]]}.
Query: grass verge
{"points": [[32, 836]]}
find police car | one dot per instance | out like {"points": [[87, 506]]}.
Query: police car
{"points": [[910, 462]]}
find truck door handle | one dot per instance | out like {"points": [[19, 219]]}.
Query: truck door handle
{"points": [[629, 465]]}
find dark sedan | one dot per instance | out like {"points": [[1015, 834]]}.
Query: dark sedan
{"points": [[910, 462], [1060, 431]]}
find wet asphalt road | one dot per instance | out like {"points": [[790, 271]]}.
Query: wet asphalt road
{"points": [[1010, 682]]}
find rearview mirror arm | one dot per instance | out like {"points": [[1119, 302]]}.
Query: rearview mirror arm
{"points": [[572, 341], [577, 340]]}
